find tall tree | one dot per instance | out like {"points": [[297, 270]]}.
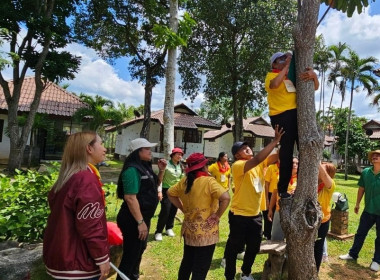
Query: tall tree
{"points": [[124, 28], [337, 52], [172, 37], [35, 32], [301, 215], [357, 70], [321, 63], [228, 55]]}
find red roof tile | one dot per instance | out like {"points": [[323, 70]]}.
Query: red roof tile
{"points": [[54, 99], [256, 125], [184, 117]]}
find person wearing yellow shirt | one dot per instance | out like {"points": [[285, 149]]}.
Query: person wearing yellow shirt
{"points": [[277, 234], [195, 195], [271, 180], [282, 101], [245, 218], [326, 187], [221, 170]]}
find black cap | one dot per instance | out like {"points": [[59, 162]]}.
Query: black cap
{"points": [[236, 147]]}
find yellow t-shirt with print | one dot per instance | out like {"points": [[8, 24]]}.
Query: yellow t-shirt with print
{"points": [[279, 99], [271, 176], [222, 178], [198, 205], [249, 195], [324, 199]]}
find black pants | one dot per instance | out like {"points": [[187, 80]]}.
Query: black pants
{"points": [[167, 213], [133, 247], [243, 230], [318, 245], [268, 224], [196, 262], [288, 121]]}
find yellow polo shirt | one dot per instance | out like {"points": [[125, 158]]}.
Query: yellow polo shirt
{"points": [[249, 195], [279, 99], [271, 176], [324, 199]]}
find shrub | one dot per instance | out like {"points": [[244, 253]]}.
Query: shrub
{"points": [[24, 206]]}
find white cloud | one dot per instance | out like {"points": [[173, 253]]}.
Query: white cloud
{"points": [[361, 33]]}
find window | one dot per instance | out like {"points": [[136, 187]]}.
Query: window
{"points": [[192, 136], [1, 130]]}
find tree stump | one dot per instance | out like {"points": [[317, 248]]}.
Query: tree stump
{"points": [[275, 266]]}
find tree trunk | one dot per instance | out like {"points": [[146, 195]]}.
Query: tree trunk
{"points": [[168, 141], [348, 133], [147, 103], [301, 215], [238, 118]]}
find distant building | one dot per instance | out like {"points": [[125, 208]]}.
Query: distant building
{"points": [[189, 129], [256, 131], [58, 104]]}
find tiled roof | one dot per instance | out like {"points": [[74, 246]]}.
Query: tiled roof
{"points": [[181, 119], [54, 99], [256, 125]]}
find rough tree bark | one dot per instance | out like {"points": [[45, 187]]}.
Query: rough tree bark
{"points": [[168, 141], [301, 215]]}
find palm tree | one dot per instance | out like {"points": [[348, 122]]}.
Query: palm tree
{"points": [[322, 57], [99, 112], [357, 70], [336, 52]]}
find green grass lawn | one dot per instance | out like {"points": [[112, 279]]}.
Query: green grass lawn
{"points": [[162, 259]]}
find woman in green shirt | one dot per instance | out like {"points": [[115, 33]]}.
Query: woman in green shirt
{"points": [[173, 174], [138, 187]]}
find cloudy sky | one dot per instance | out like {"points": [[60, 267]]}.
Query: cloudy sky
{"points": [[96, 76]]}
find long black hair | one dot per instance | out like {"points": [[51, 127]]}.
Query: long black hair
{"points": [[133, 158], [190, 178]]}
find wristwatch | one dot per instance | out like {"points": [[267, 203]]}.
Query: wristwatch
{"points": [[140, 222]]}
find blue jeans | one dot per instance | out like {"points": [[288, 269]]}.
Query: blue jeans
{"points": [[367, 220]]}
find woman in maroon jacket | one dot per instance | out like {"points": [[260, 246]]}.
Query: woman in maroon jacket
{"points": [[75, 240]]}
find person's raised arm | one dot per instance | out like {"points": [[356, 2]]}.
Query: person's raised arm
{"points": [[276, 82], [263, 154], [325, 177]]}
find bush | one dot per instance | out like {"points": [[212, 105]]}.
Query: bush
{"points": [[24, 206]]}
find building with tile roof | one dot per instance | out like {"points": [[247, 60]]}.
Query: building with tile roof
{"points": [[57, 103], [189, 129], [256, 131]]}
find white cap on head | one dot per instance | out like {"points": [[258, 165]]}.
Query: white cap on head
{"points": [[141, 143], [275, 56]]}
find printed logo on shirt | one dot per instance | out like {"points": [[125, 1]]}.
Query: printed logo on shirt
{"points": [[90, 210]]}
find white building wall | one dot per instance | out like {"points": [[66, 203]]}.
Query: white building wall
{"points": [[5, 143]]}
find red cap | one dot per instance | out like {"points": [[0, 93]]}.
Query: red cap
{"points": [[176, 150]]}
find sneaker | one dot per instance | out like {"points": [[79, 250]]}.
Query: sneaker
{"points": [[285, 195], [346, 257], [240, 256], [223, 263], [375, 266], [170, 232], [158, 237], [246, 277]]}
